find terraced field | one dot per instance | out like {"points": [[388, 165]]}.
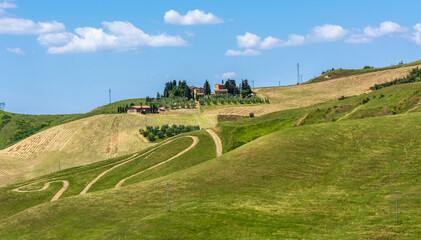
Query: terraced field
{"points": [[85, 141]]}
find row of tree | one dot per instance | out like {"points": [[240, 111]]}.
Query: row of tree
{"points": [[152, 133], [414, 76], [230, 99]]}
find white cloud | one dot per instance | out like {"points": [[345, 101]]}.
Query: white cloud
{"points": [[369, 33], [246, 52], [193, 17], [327, 33], [16, 51], [248, 40], [229, 75], [116, 35], [416, 37], [26, 26], [384, 28], [6, 5], [54, 39], [293, 40]]}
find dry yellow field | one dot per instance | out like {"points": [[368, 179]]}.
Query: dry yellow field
{"points": [[85, 141], [304, 95]]}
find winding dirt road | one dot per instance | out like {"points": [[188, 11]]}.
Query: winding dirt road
{"points": [[217, 141], [45, 187], [122, 162]]}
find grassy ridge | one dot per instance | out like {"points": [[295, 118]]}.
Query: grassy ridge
{"points": [[79, 177], [337, 73], [324, 181], [388, 101], [20, 126]]}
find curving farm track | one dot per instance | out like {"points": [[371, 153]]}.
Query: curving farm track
{"points": [[116, 165], [133, 157]]}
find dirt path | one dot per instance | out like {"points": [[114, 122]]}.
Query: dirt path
{"points": [[45, 187], [301, 120], [349, 114], [195, 142], [85, 190], [414, 107], [120, 163], [217, 141]]}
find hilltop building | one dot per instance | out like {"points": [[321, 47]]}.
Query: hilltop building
{"points": [[197, 91], [138, 109], [220, 89]]}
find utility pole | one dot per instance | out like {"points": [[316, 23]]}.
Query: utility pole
{"points": [[253, 84], [109, 93], [301, 78], [396, 194], [298, 73], [279, 83], [168, 197]]}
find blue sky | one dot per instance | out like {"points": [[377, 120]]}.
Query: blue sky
{"points": [[63, 56]]}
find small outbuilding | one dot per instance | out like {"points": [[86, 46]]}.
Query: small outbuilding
{"points": [[138, 109]]}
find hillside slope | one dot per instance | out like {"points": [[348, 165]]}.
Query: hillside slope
{"points": [[84, 141], [297, 96], [323, 181]]}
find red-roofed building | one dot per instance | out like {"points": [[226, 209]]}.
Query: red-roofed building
{"points": [[138, 109]]}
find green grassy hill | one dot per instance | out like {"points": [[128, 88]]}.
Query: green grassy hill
{"points": [[331, 180], [337, 73], [387, 101]]}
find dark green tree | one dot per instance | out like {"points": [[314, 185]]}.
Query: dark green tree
{"points": [[207, 88]]}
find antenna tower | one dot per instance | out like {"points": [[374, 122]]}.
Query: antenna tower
{"points": [[109, 92], [2, 106]]}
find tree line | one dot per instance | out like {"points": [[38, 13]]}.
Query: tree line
{"points": [[152, 133]]}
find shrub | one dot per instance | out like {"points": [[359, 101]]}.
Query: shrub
{"points": [[251, 115]]}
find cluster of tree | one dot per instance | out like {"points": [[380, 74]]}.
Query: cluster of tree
{"points": [[414, 76], [172, 89], [243, 88], [26, 128], [230, 99], [5, 119], [167, 103], [152, 133]]}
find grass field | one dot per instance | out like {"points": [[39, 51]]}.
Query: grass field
{"points": [[388, 101], [337, 73], [332, 180], [85, 141]]}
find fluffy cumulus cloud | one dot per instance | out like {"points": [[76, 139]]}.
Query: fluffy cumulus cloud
{"points": [[248, 40], [370, 33], [26, 26], [327, 33], [16, 51], [245, 52], [416, 37], [6, 5], [193, 17], [229, 75], [117, 35]]}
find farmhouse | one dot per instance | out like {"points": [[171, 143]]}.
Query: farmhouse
{"points": [[220, 89], [137, 109], [197, 91]]}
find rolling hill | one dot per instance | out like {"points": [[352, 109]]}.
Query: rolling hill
{"points": [[329, 180], [297, 96], [85, 141]]}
